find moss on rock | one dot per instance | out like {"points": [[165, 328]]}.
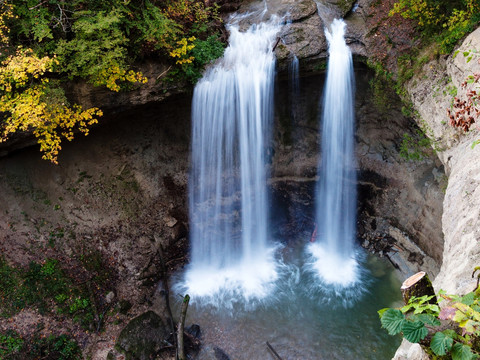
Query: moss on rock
{"points": [[143, 337]]}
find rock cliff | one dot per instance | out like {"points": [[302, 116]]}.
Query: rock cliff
{"points": [[432, 92]]}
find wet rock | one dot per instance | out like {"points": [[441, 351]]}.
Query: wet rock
{"points": [[344, 5], [193, 330], [209, 352], [301, 10], [143, 337], [305, 39]]}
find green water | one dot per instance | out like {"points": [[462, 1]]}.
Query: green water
{"points": [[302, 320]]}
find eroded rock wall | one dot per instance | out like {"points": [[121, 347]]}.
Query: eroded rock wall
{"points": [[116, 196], [399, 201], [432, 93]]}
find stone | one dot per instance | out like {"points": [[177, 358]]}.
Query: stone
{"points": [[109, 297], [409, 351], [193, 330], [302, 9], [143, 337], [171, 222]]}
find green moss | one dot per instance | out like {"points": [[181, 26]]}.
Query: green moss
{"points": [[40, 286], [62, 347]]}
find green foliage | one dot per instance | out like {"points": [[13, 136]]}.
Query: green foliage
{"points": [[45, 287], [202, 53], [444, 21], [421, 305], [441, 343], [62, 347], [155, 28], [10, 343], [98, 51], [414, 331], [459, 342], [94, 40], [416, 147]]}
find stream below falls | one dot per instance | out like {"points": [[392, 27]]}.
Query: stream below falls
{"points": [[300, 322]]}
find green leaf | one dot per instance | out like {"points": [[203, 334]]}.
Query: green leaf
{"points": [[414, 331], [461, 352], [393, 320], [427, 319], [382, 311], [468, 299], [441, 343]]}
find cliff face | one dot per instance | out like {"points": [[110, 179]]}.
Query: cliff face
{"points": [[432, 93]]}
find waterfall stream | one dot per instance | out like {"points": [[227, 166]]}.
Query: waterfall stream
{"points": [[333, 254], [250, 281], [231, 116]]}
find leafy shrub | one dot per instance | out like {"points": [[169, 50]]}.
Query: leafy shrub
{"points": [[444, 21], [196, 57], [459, 341], [94, 40], [98, 50]]}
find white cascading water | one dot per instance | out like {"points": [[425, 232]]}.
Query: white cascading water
{"points": [[294, 85], [333, 253], [231, 119]]}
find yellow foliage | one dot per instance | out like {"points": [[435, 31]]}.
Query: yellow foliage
{"points": [[6, 13], [17, 70], [182, 51], [109, 76], [28, 106], [426, 14]]}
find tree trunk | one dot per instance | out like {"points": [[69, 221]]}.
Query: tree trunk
{"points": [[418, 285], [181, 325]]}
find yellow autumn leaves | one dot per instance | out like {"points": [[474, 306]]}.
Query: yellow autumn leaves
{"points": [[110, 76], [182, 51], [27, 102]]}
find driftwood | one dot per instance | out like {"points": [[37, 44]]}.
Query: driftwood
{"points": [[181, 325], [274, 353], [418, 285]]}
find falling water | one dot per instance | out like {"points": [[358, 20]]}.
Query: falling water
{"points": [[333, 251], [294, 76], [294, 86], [231, 116]]}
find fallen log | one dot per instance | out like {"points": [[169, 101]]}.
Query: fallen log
{"points": [[418, 285], [181, 325]]}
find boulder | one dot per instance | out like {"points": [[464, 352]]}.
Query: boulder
{"points": [[143, 337]]}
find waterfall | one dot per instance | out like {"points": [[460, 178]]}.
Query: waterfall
{"points": [[231, 119], [294, 86], [333, 250]]}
